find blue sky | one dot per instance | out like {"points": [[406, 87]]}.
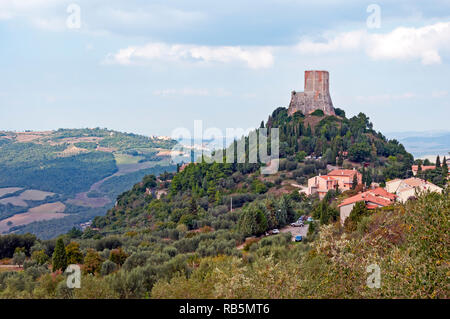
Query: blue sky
{"points": [[151, 66]]}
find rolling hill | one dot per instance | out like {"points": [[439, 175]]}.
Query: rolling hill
{"points": [[67, 168]]}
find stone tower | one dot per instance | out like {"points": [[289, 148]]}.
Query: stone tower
{"points": [[315, 97]]}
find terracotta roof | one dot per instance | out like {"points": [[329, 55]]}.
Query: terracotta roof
{"points": [[424, 167], [414, 181], [382, 192], [393, 180], [373, 196], [342, 172], [328, 178]]}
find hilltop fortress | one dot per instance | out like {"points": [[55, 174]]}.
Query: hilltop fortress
{"points": [[315, 97]]}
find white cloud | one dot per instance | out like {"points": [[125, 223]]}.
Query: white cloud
{"points": [[253, 57], [220, 92], [425, 43], [101, 16]]}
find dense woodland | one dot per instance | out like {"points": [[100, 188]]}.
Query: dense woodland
{"points": [[204, 236]]}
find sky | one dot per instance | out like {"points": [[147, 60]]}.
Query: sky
{"points": [[149, 67]]}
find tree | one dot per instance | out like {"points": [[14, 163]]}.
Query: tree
{"points": [[252, 220], [59, 258], [39, 256], [300, 156], [340, 160], [19, 258], [358, 152], [75, 233], [92, 262], [355, 181], [108, 267], [308, 131], [438, 162], [368, 180], [74, 255], [444, 167], [118, 256], [193, 206], [359, 210]]}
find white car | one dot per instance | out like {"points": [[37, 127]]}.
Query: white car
{"points": [[297, 224], [275, 231]]}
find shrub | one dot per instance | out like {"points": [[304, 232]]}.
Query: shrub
{"points": [[118, 256], [92, 262], [108, 267]]}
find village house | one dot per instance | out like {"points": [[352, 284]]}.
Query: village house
{"points": [[338, 178], [373, 198], [410, 187]]}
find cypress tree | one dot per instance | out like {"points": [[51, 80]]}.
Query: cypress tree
{"points": [[355, 181], [438, 162], [444, 169], [59, 256]]}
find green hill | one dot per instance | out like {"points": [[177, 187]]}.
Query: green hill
{"points": [[72, 165], [200, 232]]}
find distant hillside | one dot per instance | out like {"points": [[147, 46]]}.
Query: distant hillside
{"points": [[424, 144], [71, 165]]}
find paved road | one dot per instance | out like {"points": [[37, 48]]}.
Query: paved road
{"points": [[296, 231]]}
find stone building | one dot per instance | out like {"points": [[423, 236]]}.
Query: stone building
{"points": [[316, 95]]}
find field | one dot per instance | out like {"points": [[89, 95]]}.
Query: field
{"points": [[126, 159], [9, 190], [70, 165], [31, 194], [42, 212]]}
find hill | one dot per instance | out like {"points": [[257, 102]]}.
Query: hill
{"points": [[69, 167], [203, 231]]}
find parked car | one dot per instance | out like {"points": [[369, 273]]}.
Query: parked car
{"points": [[298, 238], [310, 219], [275, 231], [298, 224]]}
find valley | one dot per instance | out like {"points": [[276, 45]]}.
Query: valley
{"points": [[66, 169]]}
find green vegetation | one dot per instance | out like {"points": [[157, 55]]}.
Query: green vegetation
{"points": [[332, 136], [437, 176], [114, 186], [126, 159], [39, 167], [177, 235], [409, 242], [48, 162], [86, 145]]}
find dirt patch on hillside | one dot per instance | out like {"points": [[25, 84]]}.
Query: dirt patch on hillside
{"points": [[72, 150], [9, 190], [39, 213], [16, 201], [33, 194]]}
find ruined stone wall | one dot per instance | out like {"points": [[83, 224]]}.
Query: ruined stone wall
{"points": [[316, 95]]}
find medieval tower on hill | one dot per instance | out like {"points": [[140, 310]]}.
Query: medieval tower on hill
{"points": [[315, 97]]}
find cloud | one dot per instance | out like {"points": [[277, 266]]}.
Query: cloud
{"points": [[253, 57], [425, 43], [192, 92], [101, 16]]}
